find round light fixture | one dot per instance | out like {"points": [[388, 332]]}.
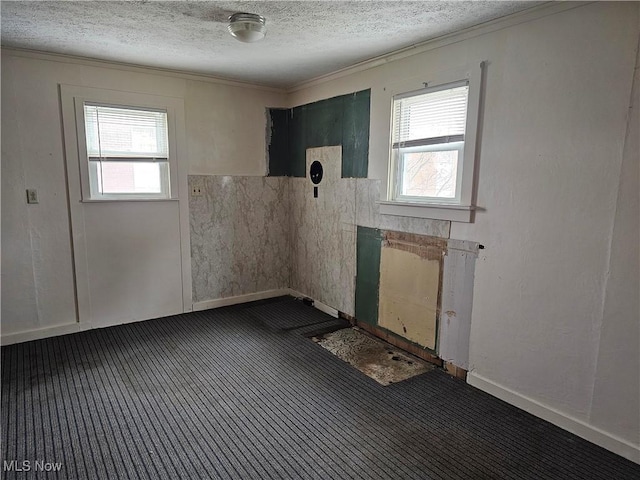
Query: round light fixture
{"points": [[247, 27]]}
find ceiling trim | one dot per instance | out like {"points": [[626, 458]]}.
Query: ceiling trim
{"points": [[131, 67], [534, 13], [524, 16]]}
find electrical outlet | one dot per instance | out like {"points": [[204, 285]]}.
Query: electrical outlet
{"points": [[196, 191], [32, 195]]}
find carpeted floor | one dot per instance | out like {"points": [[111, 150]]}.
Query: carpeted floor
{"points": [[228, 393]]}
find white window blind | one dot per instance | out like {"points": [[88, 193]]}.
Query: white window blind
{"points": [[117, 133], [430, 118]]}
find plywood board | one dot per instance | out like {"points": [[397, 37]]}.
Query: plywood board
{"points": [[409, 285]]}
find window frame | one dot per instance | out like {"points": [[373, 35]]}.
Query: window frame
{"points": [[87, 177], [462, 207], [165, 184], [82, 207], [436, 147], [165, 187]]}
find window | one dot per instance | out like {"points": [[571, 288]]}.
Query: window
{"points": [[433, 146], [127, 152], [428, 143]]}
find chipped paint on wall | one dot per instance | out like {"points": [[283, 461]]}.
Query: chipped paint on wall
{"points": [[428, 248], [458, 272]]}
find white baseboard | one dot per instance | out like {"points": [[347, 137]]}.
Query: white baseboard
{"points": [[249, 297], [578, 427], [323, 307], [45, 332], [297, 294], [38, 333]]}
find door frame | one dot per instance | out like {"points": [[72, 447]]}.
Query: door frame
{"points": [[70, 97]]}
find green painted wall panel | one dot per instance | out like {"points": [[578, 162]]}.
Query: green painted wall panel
{"points": [[368, 248], [278, 122], [298, 143], [342, 120], [324, 122], [355, 135]]}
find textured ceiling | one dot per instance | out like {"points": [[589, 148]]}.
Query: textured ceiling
{"points": [[305, 39]]}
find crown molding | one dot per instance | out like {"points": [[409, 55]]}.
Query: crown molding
{"points": [[130, 67], [531, 14]]}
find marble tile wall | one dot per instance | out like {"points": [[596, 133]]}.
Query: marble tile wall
{"points": [[323, 233], [367, 196], [251, 234], [323, 229], [239, 235]]}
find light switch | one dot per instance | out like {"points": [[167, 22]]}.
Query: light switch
{"points": [[196, 191], [32, 195]]}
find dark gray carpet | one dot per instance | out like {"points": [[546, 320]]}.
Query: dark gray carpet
{"points": [[287, 313], [221, 394]]}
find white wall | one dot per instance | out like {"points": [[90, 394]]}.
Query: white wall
{"points": [[617, 377], [554, 324], [557, 98], [225, 130]]}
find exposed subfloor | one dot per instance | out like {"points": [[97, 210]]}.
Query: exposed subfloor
{"points": [[222, 394], [375, 358]]}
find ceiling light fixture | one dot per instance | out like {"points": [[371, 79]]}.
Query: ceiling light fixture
{"points": [[247, 27]]}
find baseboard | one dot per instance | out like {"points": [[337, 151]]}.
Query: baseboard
{"points": [[605, 440], [323, 307], [249, 297], [38, 333]]}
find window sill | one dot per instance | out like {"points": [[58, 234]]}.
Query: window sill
{"points": [[120, 200], [434, 211]]}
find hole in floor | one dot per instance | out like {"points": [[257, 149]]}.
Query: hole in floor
{"points": [[374, 357]]}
